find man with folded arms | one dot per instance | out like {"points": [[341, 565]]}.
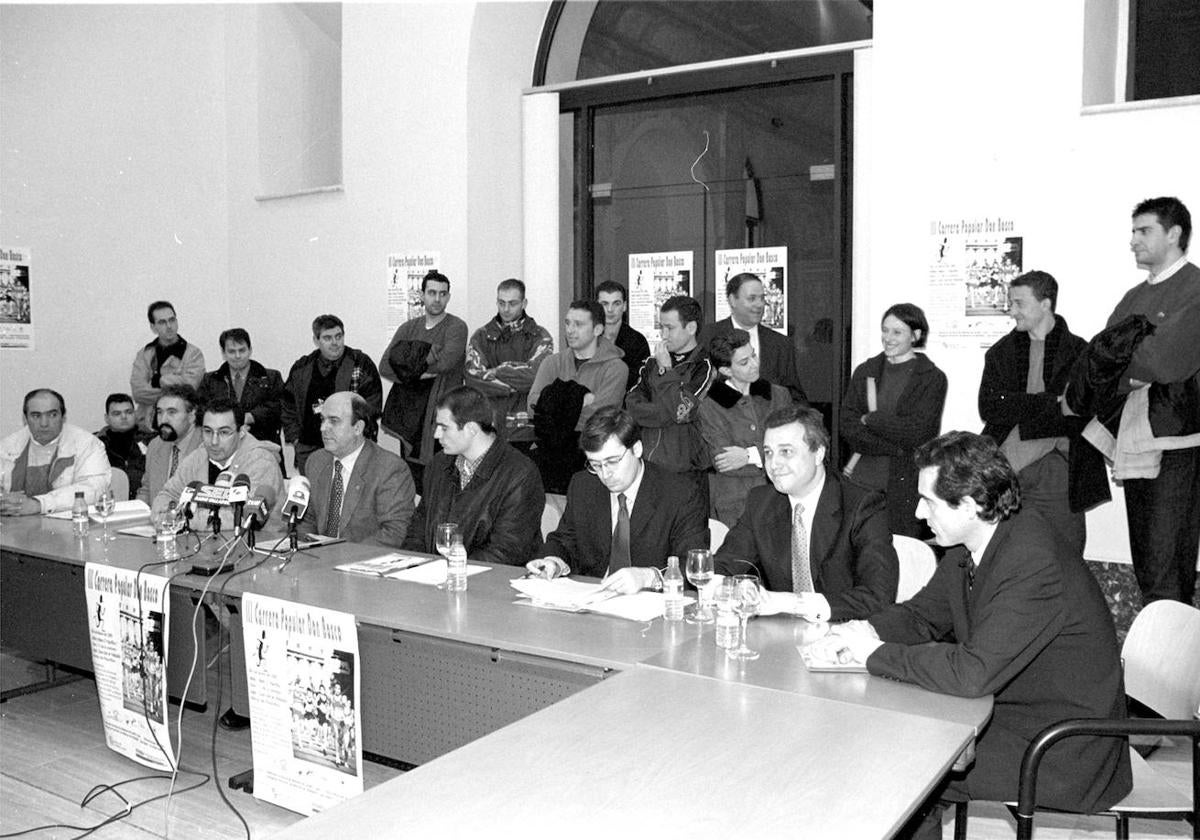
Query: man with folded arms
{"points": [[624, 516], [168, 360], [176, 420], [819, 543], [48, 460], [1012, 611], [360, 491]]}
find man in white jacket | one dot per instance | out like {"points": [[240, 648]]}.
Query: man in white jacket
{"points": [[49, 460]]}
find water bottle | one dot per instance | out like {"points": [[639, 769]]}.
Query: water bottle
{"points": [[79, 515], [727, 621], [673, 591], [168, 524], [456, 568]]}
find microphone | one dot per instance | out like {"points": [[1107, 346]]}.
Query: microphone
{"points": [[257, 514], [296, 505], [239, 493], [186, 499]]}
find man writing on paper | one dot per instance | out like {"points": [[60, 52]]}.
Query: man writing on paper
{"points": [[360, 491], [819, 543], [1011, 611], [49, 460], [624, 516]]}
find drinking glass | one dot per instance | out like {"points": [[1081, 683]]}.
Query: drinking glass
{"points": [[700, 574], [448, 533], [746, 598], [104, 506]]}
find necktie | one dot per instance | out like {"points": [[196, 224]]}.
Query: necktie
{"points": [[618, 556], [801, 570], [239, 380], [334, 522], [174, 461]]}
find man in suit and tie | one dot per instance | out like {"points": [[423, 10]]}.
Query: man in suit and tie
{"points": [[360, 491], [257, 389], [820, 544], [776, 355], [177, 424], [624, 516]]}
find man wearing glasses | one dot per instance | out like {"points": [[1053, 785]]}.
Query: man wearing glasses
{"points": [[168, 360], [624, 516]]}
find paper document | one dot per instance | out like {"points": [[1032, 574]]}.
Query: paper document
{"points": [[432, 573], [577, 596], [386, 564], [130, 511]]}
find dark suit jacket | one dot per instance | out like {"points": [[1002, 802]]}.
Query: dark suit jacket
{"points": [[377, 501], [850, 549], [776, 357], [262, 396], [667, 518], [1035, 632]]}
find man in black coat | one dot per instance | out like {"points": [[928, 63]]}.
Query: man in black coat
{"points": [[662, 515], [1012, 611], [242, 380]]}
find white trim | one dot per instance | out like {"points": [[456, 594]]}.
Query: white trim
{"points": [[308, 191], [1141, 105]]}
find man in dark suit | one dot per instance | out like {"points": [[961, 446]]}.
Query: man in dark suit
{"points": [[240, 379], [819, 544], [360, 491], [624, 516], [1011, 611], [776, 355]]}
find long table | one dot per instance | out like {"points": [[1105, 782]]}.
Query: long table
{"points": [[505, 705]]}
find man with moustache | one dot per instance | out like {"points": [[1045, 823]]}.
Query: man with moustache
{"points": [[175, 419], [168, 360]]}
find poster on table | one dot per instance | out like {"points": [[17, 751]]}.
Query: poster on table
{"points": [[302, 672], [652, 279], [127, 621], [405, 272], [770, 266], [971, 263], [16, 318]]}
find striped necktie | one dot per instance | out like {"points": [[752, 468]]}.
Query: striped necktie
{"points": [[801, 569], [334, 522]]}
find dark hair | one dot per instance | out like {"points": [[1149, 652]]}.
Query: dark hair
{"points": [[688, 308], [62, 405], [434, 274], [1170, 212], [734, 284], [510, 284], [809, 418], [183, 391], [240, 336], [468, 405], [362, 410], [223, 405], [1041, 283], [610, 286], [913, 317], [591, 308], [117, 399], [325, 322], [722, 346], [971, 465], [610, 421], [158, 304]]}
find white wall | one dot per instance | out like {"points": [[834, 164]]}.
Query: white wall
{"points": [[112, 171], [977, 112]]}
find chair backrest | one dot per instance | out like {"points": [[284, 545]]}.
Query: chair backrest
{"points": [[119, 482], [551, 513], [1161, 655], [917, 565], [717, 531]]}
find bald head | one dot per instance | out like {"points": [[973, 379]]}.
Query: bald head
{"points": [[344, 418]]}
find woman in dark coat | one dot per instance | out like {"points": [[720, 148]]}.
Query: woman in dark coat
{"points": [[893, 405]]}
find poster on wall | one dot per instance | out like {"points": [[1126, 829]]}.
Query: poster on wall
{"points": [[770, 266], [971, 263], [302, 673], [127, 621], [16, 318], [405, 272], [652, 279]]}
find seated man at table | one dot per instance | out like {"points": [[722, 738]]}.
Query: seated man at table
{"points": [[177, 435], [48, 460], [819, 543], [228, 447], [360, 491], [490, 489], [652, 513], [1011, 611]]}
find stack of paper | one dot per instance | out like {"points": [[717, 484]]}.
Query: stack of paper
{"points": [[414, 568], [576, 596], [123, 512]]}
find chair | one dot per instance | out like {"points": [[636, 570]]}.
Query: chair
{"points": [[917, 565], [1161, 656], [717, 531], [119, 484], [551, 513]]}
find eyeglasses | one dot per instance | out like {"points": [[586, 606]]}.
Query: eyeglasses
{"points": [[217, 434], [606, 465]]}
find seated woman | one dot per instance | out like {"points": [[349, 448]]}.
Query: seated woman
{"points": [[893, 405], [731, 420]]}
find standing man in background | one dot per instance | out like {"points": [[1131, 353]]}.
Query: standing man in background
{"points": [[168, 360], [613, 299], [257, 389], [124, 443]]}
